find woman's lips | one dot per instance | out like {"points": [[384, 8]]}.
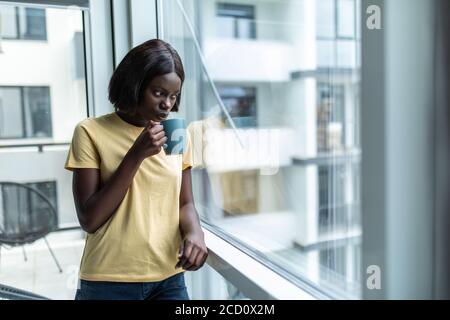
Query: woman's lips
{"points": [[163, 116]]}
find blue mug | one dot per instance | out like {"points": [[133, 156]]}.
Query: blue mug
{"points": [[175, 130]]}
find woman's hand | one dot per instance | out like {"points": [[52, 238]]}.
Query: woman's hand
{"points": [[150, 141], [193, 251]]}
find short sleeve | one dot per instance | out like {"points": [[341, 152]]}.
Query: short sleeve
{"points": [[193, 157], [82, 153], [188, 159]]}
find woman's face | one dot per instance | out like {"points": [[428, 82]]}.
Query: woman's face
{"points": [[160, 97]]}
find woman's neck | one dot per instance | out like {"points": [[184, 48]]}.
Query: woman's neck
{"points": [[133, 119]]}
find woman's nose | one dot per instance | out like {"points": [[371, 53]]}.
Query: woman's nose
{"points": [[166, 103]]}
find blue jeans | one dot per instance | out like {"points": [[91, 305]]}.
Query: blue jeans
{"points": [[172, 288]]}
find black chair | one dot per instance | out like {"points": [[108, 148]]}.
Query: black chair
{"points": [[26, 215]]}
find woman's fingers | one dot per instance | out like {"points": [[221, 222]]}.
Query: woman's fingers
{"points": [[190, 261], [156, 129], [201, 259], [187, 249], [161, 141], [191, 256], [159, 136]]}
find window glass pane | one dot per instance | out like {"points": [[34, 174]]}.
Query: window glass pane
{"points": [[237, 20], [245, 29], [38, 113], [35, 24], [8, 19], [285, 183], [358, 19], [78, 39], [37, 106], [25, 112], [11, 113], [346, 19], [235, 10], [325, 13], [326, 53], [346, 53], [241, 104], [42, 98], [23, 23], [225, 27]]}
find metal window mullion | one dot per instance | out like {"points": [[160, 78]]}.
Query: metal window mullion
{"points": [[113, 34], [88, 64]]}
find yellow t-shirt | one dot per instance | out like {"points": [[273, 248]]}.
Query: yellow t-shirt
{"points": [[140, 241]]}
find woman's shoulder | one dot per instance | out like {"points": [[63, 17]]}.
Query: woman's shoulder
{"points": [[95, 123]]}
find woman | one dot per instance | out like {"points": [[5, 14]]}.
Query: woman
{"points": [[134, 201]]}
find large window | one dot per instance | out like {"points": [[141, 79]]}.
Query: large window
{"points": [[23, 23], [283, 186], [42, 97], [25, 112]]}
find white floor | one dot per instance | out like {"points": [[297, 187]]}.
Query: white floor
{"points": [[39, 274]]}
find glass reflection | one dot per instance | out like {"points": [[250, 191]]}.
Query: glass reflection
{"points": [[285, 183]]}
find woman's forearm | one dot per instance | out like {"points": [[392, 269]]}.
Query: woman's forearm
{"points": [[189, 220], [102, 204]]}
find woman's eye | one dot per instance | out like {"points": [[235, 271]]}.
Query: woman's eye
{"points": [[174, 97], [158, 93]]}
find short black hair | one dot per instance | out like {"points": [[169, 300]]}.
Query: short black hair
{"points": [[140, 66]]}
